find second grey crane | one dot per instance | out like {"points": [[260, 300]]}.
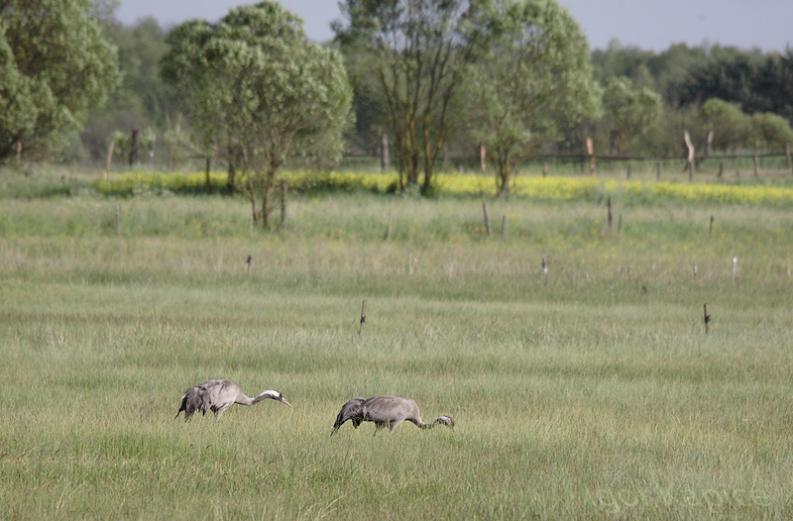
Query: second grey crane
{"points": [[385, 411], [218, 395]]}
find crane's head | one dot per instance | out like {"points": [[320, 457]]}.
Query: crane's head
{"points": [[273, 395], [445, 420]]}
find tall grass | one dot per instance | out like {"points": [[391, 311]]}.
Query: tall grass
{"points": [[589, 392]]}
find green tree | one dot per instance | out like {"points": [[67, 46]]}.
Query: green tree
{"points": [[730, 126], [535, 77], [198, 90], [770, 130], [141, 100], [256, 81], [420, 50], [629, 113], [56, 65]]}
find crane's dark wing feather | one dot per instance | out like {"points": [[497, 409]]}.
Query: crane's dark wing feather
{"points": [[352, 410], [194, 399]]}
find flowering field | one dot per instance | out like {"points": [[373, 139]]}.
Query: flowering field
{"points": [[539, 188]]}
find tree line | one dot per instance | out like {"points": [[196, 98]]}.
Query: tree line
{"points": [[422, 79]]}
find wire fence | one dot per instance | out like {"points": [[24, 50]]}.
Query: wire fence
{"points": [[720, 165]]}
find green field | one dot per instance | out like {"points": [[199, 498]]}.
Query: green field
{"points": [[589, 392]]}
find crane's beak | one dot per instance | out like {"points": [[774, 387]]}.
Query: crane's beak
{"points": [[283, 401]]}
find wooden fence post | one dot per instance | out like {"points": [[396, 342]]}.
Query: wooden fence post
{"points": [[482, 157], [486, 218], [609, 215], [710, 227], [590, 152], [706, 317], [109, 159], [384, 157], [249, 262], [708, 145], [362, 322], [545, 169], [788, 161], [387, 234], [657, 170], [721, 169], [690, 158], [18, 152], [754, 165]]}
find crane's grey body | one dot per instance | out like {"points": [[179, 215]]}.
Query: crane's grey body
{"points": [[386, 411], [218, 395]]}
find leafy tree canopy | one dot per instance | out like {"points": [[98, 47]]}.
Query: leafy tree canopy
{"points": [[254, 81], [730, 126], [55, 65], [629, 112], [535, 77], [420, 50]]}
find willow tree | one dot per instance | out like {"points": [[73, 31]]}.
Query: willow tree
{"points": [[535, 76], [418, 52], [731, 127], [55, 65], [630, 112], [255, 80]]}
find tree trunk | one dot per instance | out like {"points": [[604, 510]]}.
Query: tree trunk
{"points": [[267, 196], [504, 175], [133, 147], [429, 154], [267, 193], [282, 193], [252, 192], [410, 151], [232, 168]]}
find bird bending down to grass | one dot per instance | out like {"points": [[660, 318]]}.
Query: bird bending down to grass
{"points": [[385, 411], [218, 395]]}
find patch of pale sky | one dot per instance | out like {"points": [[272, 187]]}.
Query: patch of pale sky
{"points": [[650, 24]]}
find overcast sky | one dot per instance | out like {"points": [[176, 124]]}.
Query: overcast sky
{"points": [[650, 24]]}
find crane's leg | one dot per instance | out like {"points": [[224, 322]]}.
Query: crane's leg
{"points": [[220, 410], [377, 427]]}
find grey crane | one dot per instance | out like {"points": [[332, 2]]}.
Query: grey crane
{"points": [[218, 395], [385, 411]]}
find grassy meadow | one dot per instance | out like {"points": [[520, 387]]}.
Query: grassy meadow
{"points": [[587, 392]]}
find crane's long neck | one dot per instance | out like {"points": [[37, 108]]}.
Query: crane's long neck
{"points": [[437, 421], [273, 395], [244, 399]]}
